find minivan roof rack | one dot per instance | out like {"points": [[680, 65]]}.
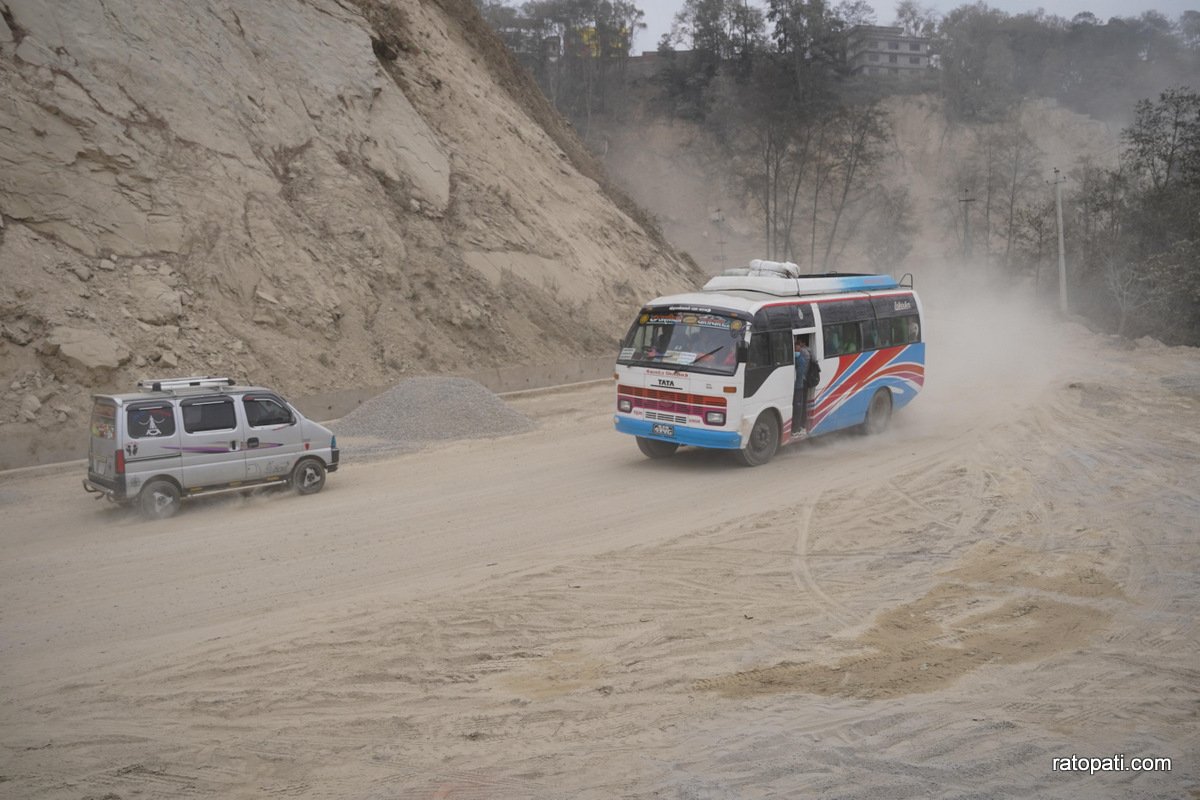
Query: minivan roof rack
{"points": [[197, 382]]}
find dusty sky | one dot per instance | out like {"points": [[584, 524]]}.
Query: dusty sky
{"points": [[659, 13]]}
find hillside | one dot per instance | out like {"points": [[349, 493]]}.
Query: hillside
{"points": [[314, 195], [678, 169]]}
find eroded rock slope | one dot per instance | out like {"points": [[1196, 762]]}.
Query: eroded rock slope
{"points": [[315, 194]]}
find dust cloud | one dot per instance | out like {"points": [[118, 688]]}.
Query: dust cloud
{"points": [[991, 351]]}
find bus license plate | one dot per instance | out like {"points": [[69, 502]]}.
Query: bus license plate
{"points": [[663, 430]]}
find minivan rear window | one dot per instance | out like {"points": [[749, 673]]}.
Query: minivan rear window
{"points": [[209, 415], [150, 420]]}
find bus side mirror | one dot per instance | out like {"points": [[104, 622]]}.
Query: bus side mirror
{"points": [[743, 352]]}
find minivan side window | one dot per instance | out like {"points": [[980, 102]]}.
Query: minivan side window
{"points": [[264, 411], [209, 415], [150, 420]]}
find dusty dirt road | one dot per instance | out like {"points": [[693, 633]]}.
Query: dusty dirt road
{"points": [[1008, 576]]}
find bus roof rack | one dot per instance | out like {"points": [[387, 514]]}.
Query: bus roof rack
{"points": [[776, 284], [170, 384]]}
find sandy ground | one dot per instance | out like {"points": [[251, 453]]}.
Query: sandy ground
{"points": [[1009, 575]]}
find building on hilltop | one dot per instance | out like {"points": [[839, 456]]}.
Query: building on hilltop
{"points": [[885, 50]]}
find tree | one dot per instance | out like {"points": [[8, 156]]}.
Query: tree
{"points": [[1036, 236], [889, 237], [1021, 159], [916, 19], [1140, 223], [574, 48], [853, 150], [1164, 139], [976, 63]]}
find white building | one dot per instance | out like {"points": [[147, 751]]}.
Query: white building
{"points": [[883, 50]]}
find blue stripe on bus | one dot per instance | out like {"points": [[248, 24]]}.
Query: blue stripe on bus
{"points": [[696, 437]]}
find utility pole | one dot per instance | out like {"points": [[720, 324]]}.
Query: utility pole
{"points": [[1062, 259], [965, 200], [717, 218]]}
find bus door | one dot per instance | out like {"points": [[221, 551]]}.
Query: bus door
{"points": [[803, 405], [770, 369]]}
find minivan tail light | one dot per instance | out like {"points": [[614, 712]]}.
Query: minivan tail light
{"points": [[120, 462]]}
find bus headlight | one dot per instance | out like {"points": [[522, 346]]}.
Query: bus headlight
{"points": [[625, 406], [714, 417]]}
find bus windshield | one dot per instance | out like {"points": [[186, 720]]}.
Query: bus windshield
{"points": [[684, 340]]}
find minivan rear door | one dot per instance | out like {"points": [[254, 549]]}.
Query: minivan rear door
{"points": [[102, 448], [151, 441], [211, 442]]}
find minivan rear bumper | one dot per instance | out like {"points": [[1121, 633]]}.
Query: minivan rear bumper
{"points": [[334, 457], [112, 489]]}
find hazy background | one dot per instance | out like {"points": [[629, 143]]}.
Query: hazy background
{"points": [[660, 13]]}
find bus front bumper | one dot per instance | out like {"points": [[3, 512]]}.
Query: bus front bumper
{"points": [[696, 437]]}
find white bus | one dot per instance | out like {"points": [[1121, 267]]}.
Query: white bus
{"points": [[715, 368]]}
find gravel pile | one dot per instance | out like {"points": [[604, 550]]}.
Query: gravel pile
{"points": [[421, 410]]}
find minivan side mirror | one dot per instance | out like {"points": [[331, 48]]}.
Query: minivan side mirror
{"points": [[743, 352]]}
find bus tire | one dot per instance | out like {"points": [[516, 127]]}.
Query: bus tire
{"points": [[879, 413], [309, 476], [762, 442], [655, 448], [159, 499]]}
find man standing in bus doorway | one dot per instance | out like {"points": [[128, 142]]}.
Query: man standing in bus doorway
{"points": [[800, 392]]}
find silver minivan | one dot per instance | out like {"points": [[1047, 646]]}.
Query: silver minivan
{"points": [[184, 437]]}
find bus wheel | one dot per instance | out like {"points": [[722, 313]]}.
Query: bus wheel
{"points": [[879, 413], [654, 448], [762, 442], [158, 499]]}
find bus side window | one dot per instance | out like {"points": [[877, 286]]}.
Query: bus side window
{"points": [[833, 342], [760, 353], [870, 340], [849, 333], [887, 332], [912, 329]]}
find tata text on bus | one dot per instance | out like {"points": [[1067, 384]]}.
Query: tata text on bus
{"points": [[716, 368]]}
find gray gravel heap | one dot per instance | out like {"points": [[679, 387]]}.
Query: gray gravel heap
{"points": [[420, 410]]}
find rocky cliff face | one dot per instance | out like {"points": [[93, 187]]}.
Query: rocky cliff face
{"points": [[307, 193]]}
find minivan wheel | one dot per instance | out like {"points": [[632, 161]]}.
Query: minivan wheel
{"points": [[308, 477], [656, 448], [762, 442], [159, 499], [879, 413]]}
